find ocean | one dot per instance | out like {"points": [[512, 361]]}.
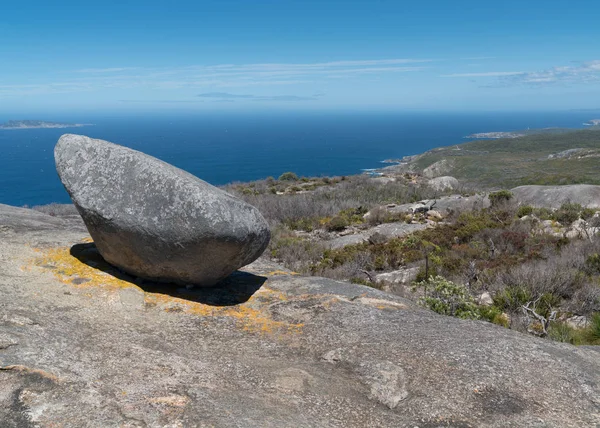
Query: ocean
{"points": [[227, 147]]}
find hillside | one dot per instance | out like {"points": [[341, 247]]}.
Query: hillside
{"points": [[82, 344], [543, 158]]}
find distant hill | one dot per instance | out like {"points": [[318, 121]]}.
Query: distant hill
{"points": [[547, 158], [33, 124]]}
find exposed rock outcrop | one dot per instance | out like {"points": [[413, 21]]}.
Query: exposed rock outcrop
{"points": [[444, 183], [82, 345], [437, 169], [554, 196], [154, 220]]}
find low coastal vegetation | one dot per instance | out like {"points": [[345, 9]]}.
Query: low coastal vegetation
{"points": [[548, 158], [536, 270]]}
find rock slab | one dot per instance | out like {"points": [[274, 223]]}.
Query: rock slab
{"points": [[154, 220]]}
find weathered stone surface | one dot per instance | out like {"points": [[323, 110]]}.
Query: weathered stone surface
{"points": [[154, 220], [404, 276], [440, 168], [268, 349], [554, 196], [386, 230], [446, 204], [443, 183]]}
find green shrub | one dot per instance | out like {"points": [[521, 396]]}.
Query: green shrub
{"points": [[502, 320], [587, 213], [543, 213], [591, 335], [563, 332], [447, 298], [288, 176], [488, 313], [512, 298], [500, 197], [306, 224], [524, 210], [354, 215], [592, 264], [494, 315], [248, 191], [337, 224], [567, 213]]}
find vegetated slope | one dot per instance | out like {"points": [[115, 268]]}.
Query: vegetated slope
{"points": [[532, 159]]}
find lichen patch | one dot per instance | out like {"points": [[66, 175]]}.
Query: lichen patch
{"points": [[252, 315]]}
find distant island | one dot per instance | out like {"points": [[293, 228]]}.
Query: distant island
{"points": [[34, 124]]}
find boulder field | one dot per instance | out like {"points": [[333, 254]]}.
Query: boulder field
{"points": [[85, 345], [154, 220]]}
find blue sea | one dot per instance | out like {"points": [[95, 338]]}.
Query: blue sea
{"points": [[227, 147]]}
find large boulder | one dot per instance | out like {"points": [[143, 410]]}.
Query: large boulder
{"points": [[154, 220]]}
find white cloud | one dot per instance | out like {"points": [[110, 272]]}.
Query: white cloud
{"points": [[222, 96], [485, 74], [477, 58], [587, 72], [214, 76], [104, 70]]}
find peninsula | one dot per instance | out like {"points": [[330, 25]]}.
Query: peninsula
{"points": [[35, 124]]}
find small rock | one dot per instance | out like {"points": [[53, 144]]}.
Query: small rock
{"points": [[377, 238], [434, 214], [402, 276], [387, 382], [333, 356], [578, 322], [485, 299]]}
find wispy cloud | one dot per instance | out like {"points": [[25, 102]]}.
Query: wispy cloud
{"points": [[587, 72], [104, 70], [214, 76], [485, 74], [162, 101], [477, 58], [225, 96]]}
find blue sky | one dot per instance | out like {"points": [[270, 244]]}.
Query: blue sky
{"points": [[292, 54]]}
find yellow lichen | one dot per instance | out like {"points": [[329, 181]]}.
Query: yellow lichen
{"points": [[92, 271], [281, 272]]}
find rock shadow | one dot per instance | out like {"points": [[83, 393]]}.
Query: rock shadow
{"points": [[235, 289]]}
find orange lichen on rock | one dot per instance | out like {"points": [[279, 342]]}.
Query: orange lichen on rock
{"points": [[68, 269], [92, 271], [281, 272], [252, 316]]}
